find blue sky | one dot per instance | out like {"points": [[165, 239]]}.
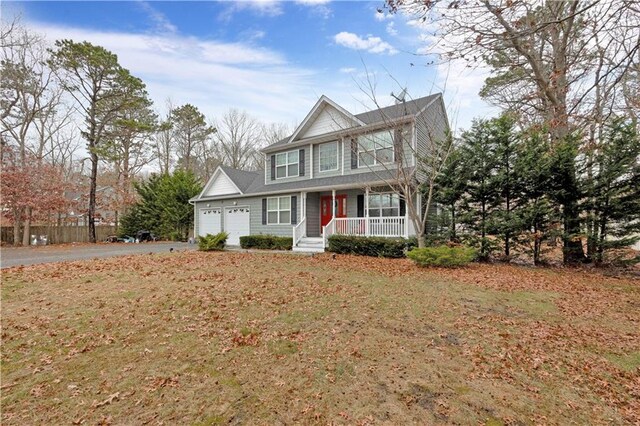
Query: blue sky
{"points": [[270, 58]]}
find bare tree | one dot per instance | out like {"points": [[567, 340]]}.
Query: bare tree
{"points": [[29, 98], [239, 139], [415, 167], [164, 143]]}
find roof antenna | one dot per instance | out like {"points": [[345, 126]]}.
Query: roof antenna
{"points": [[401, 97]]}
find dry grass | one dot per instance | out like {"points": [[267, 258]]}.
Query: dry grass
{"points": [[208, 338]]}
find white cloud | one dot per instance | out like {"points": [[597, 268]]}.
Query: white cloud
{"points": [[162, 23], [313, 2], [382, 16], [371, 44], [269, 8], [348, 70], [210, 74], [391, 29]]}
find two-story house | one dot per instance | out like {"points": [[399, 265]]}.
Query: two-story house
{"points": [[336, 174]]}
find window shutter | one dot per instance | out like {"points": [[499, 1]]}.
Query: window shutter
{"points": [[397, 145], [301, 161], [273, 168], [403, 207], [354, 153], [264, 211], [294, 209], [360, 205]]}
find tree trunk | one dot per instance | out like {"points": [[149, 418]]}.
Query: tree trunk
{"points": [[16, 227], [92, 198], [26, 232], [422, 240]]}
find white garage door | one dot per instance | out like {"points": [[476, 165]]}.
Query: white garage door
{"points": [[209, 221], [236, 224]]}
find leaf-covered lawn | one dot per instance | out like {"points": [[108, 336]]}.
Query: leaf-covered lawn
{"points": [[207, 338]]}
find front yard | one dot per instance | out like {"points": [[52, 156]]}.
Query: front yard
{"points": [[208, 338]]}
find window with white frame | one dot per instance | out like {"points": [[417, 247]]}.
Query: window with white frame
{"points": [[287, 164], [384, 205], [376, 148], [279, 210], [328, 156]]}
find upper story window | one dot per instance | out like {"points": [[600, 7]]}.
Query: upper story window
{"points": [[287, 164], [328, 156], [376, 148]]}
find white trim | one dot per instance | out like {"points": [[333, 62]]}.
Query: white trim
{"points": [[211, 179], [265, 168], [320, 158], [311, 160], [342, 162], [319, 104], [287, 164], [280, 210]]}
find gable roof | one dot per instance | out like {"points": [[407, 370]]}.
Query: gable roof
{"points": [[316, 110], [240, 180], [412, 107]]}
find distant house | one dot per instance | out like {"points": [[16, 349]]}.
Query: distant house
{"points": [[331, 176]]}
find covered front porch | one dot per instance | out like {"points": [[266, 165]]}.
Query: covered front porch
{"points": [[375, 212]]}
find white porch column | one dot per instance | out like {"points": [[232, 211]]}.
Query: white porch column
{"points": [[311, 161], [366, 211], [333, 204]]}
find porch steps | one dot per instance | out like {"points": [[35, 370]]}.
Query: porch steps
{"points": [[309, 245]]}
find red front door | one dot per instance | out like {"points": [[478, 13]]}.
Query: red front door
{"points": [[325, 208]]}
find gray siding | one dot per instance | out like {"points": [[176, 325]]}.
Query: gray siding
{"points": [[255, 205], [313, 214], [431, 127]]}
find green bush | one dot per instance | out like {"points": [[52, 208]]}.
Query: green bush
{"points": [[368, 246], [266, 242], [213, 242], [442, 256]]}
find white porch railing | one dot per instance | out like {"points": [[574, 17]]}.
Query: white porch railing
{"points": [[393, 226], [328, 230], [299, 231]]}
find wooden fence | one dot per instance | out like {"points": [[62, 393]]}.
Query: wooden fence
{"points": [[60, 234]]}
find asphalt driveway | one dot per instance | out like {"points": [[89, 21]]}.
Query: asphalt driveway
{"points": [[16, 256]]}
